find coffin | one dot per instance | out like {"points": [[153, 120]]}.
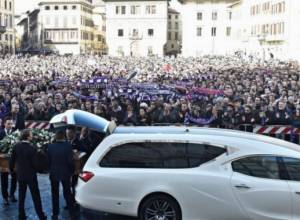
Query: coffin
{"points": [[79, 160]]}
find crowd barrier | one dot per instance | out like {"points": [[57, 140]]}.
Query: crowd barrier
{"points": [[37, 125], [284, 132]]}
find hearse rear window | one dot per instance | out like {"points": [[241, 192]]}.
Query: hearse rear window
{"points": [[160, 155]]}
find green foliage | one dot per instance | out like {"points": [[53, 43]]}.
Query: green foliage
{"points": [[40, 139]]}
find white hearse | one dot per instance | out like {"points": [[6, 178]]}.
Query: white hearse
{"points": [[182, 173]]}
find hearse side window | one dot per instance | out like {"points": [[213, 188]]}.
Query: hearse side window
{"points": [[160, 155], [258, 166], [202, 153], [293, 168]]}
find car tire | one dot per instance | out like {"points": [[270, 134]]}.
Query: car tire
{"points": [[160, 207]]}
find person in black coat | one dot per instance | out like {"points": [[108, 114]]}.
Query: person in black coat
{"points": [[74, 140], [77, 145], [23, 155], [17, 117], [61, 166], [8, 123]]}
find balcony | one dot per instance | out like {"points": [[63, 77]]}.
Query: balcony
{"points": [[2, 29], [135, 36], [277, 37]]}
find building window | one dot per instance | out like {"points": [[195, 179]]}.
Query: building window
{"points": [[65, 22], [214, 16], [153, 9], [213, 31], [176, 36], [199, 31], [169, 36], [47, 20], [65, 7], [120, 33], [176, 16], [10, 21], [5, 20], [47, 8], [150, 32], [74, 7], [123, 10], [56, 21], [135, 33], [150, 51], [170, 16], [199, 16], [150, 9], [10, 6], [56, 7], [172, 46], [135, 9], [120, 51], [170, 24], [230, 15], [5, 4], [176, 25], [74, 20], [228, 31]]}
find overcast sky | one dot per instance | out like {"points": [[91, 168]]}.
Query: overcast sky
{"points": [[28, 5], [25, 5]]}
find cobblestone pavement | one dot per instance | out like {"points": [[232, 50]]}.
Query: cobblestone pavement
{"points": [[11, 212]]}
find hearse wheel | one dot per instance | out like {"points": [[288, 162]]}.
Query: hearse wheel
{"points": [[160, 207]]}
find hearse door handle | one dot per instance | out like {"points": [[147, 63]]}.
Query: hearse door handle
{"points": [[242, 186]]}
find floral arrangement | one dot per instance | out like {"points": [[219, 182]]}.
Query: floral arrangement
{"points": [[40, 139]]}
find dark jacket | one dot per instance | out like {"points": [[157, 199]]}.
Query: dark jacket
{"points": [[3, 133], [19, 122], [78, 145], [23, 155], [61, 162]]}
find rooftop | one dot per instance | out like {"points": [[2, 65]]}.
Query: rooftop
{"points": [[205, 131], [89, 2], [205, 1], [132, 0]]}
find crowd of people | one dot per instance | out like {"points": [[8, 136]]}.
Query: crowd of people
{"points": [[223, 91]]}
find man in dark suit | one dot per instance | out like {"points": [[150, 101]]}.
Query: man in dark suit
{"points": [[74, 140], [23, 155], [8, 123], [17, 117], [61, 166], [77, 145]]}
